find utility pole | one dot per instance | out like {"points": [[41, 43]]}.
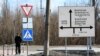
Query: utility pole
{"points": [[46, 39], [64, 3], [93, 2], [41, 7]]}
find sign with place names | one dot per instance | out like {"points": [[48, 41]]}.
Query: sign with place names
{"points": [[76, 22]]}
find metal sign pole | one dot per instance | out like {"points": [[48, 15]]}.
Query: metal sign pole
{"points": [[65, 46], [27, 48], [65, 40], [3, 44], [3, 49], [23, 48], [13, 36], [90, 43], [27, 41], [7, 49], [12, 45], [87, 46]]}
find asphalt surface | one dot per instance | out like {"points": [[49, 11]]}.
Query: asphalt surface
{"points": [[54, 51]]}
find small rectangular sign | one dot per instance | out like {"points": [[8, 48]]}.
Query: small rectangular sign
{"points": [[29, 24]]}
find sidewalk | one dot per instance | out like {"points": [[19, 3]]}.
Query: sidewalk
{"points": [[11, 51], [22, 54]]}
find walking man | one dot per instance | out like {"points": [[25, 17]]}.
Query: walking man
{"points": [[18, 41]]}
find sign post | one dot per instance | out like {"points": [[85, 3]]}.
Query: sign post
{"points": [[65, 46], [27, 33], [88, 45]]}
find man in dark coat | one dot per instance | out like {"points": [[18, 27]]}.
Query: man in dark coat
{"points": [[18, 41]]}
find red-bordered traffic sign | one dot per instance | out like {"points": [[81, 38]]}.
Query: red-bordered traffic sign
{"points": [[27, 9]]}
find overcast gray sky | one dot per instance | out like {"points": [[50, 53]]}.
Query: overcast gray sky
{"points": [[36, 3]]}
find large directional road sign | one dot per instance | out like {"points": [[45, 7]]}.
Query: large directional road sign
{"points": [[76, 22], [27, 35]]}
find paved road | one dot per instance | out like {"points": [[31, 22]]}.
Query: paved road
{"points": [[39, 49]]}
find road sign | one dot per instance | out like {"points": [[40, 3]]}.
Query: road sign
{"points": [[27, 35], [27, 9], [29, 24], [76, 22], [24, 20]]}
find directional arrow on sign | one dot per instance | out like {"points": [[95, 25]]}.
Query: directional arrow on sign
{"points": [[76, 27], [70, 11]]}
